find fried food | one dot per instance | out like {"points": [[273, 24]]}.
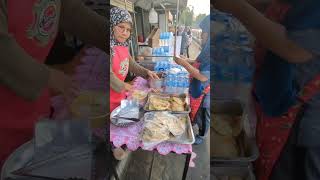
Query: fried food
{"points": [[223, 146], [227, 125], [176, 126], [162, 127], [154, 132], [159, 104], [139, 95], [177, 104], [177, 100]]}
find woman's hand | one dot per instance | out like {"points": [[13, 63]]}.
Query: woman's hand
{"points": [[152, 75], [127, 86], [140, 58], [62, 84]]}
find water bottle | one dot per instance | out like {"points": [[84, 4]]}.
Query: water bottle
{"points": [[244, 40], [165, 64], [168, 87], [247, 66], [175, 84], [185, 85], [154, 51], [179, 88], [156, 67], [227, 68], [166, 39], [161, 51]]}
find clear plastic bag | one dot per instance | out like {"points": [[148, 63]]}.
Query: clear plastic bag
{"points": [[54, 137]]}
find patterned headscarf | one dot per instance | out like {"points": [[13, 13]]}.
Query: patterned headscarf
{"points": [[117, 16]]}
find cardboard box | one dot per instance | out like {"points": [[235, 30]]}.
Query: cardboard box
{"points": [[154, 38]]}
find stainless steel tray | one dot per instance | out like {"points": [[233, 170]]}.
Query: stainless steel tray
{"points": [[248, 144], [187, 137], [187, 100]]}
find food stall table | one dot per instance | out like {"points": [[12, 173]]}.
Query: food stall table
{"points": [[130, 137]]}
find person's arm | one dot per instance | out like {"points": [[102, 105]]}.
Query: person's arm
{"points": [[270, 34], [194, 72], [135, 68], [19, 71], [84, 23], [138, 70], [261, 5], [190, 61]]}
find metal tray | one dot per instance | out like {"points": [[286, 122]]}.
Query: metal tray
{"points": [[250, 148], [246, 173], [187, 100], [187, 137]]}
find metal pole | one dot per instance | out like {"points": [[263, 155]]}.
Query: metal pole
{"points": [[177, 20], [132, 51], [142, 22], [136, 29]]}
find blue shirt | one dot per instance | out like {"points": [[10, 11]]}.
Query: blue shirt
{"points": [[276, 87]]}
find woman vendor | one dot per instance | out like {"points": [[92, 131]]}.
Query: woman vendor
{"points": [[27, 31]]}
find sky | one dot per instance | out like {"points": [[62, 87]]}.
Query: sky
{"points": [[200, 6]]}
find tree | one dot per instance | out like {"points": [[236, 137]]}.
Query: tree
{"points": [[186, 17], [198, 19]]}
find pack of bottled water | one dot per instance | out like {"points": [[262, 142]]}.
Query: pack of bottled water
{"points": [[176, 77], [162, 66], [233, 65], [167, 42], [176, 80], [165, 48]]}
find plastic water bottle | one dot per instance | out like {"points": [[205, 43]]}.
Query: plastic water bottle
{"points": [[246, 68], [169, 84], [161, 51], [167, 44], [244, 40]]}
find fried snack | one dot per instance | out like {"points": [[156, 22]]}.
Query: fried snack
{"points": [[177, 100], [159, 104], [221, 124], [227, 125], [176, 126], [223, 146], [154, 132], [236, 126], [177, 104], [162, 127], [139, 95]]}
